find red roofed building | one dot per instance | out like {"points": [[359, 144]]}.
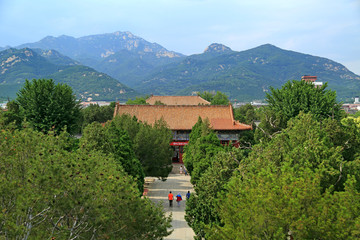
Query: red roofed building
{"points": [[181, 119]]}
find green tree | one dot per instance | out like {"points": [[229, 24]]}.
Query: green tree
{"points": [[49, 192], [138, 101], [217, 98], [202, 147], [47, 106], [96, 113], [130, 124], [277, 202], [246, 114], [195, 134], [207, 147], [152, 147], [297, 96], [114, 142], [297, 184], [201, 211], [356, 115], [13, 115], [344, 134], [151, 144]]}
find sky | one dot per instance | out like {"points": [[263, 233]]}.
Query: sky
{"points": [[325, 28]]}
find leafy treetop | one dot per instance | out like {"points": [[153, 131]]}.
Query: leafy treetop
{"points": [[47, 106], [217, 98], [138, 101]]}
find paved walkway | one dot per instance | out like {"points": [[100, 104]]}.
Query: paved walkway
{"points": [[158, 192]]}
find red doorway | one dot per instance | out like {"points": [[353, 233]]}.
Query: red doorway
{"points": [[178, 148]]}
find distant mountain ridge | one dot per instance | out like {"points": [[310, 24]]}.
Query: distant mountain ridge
{"points": [[16, 65], [247, 75], [122, 55], [151, 69], [100, 45]]}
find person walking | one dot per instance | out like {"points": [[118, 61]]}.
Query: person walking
{"points": [[178, 199], [185, 171], [181, 169], [171, 198], [188, 195]]}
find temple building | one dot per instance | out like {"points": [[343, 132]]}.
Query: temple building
{"points": [[181, 119]]}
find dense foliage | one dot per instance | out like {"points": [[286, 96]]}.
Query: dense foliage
{"points": [[200, 160], [246, 114], [48, 192], [298, 184], [47, 106], [96, 113], [201, 208], [299, 180], [151, 144], [114, 142], [295, 97], [217, 98], [137, 101]]}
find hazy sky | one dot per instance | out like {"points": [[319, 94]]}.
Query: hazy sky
{"points": [[326, 28]]}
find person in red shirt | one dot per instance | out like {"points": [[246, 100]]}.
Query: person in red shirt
{"points": [[171, 198]]}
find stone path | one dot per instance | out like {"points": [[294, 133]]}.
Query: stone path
{"points": [[158, 192]]}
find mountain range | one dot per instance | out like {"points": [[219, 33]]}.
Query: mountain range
{"points": [[121, 65], [247, 75], [16, 65]]}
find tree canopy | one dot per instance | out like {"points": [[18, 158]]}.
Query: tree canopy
{"points": [[48, 106], [48, 192], [151, 144], [96, 113], [217, 98], [114, 142], [137, 101], [298, 185], [297, 96], [298, 179]]}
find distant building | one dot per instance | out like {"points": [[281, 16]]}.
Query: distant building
{"points": [[356, 100], [181, 119], [177, 100], [308, 78], [311, 79], [351, 107]]}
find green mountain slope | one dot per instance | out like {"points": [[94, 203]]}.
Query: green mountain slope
{"points": [[92, 85], [18, 65], [247, 75]]}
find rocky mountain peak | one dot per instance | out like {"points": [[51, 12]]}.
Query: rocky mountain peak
{"points": [[217, 48]]}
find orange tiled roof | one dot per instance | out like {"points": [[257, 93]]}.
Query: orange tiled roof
{"points": [[177, 100], [184, 117]]}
